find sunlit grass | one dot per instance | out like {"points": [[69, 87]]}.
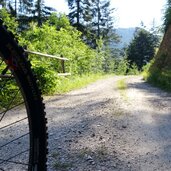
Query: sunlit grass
{"points": [[75, 82], [122, 86]]}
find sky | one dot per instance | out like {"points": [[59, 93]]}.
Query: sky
{"points": [[128, 13]]}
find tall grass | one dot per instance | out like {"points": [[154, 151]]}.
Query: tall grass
{"points": [[67, 84], [161, 79], [158, 76]]}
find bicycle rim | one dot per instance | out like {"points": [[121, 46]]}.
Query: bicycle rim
{"points": [[23, 131]]}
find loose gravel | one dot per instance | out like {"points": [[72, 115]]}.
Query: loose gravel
{"points": [[103, 128], [100, 128]]}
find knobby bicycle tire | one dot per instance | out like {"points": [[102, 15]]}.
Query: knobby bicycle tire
{"points": [[16, 61]]}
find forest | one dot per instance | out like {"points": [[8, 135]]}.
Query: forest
{"points": [[86, 36]]}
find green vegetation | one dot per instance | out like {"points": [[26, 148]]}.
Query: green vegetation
{"points": [[167, 16], [66, 84], [94, 19], [122, 86], [9, 20], [158, 72], [62, 166], [57, 37], [58, 165], [89, 50], [142, 48], [161, 79]]}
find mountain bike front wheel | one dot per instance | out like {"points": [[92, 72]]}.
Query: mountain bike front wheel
{"points": [[23, 131]]}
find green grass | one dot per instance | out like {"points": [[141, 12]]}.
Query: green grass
{"points": [[62, 166], [75, 82], [161, 79], [122, 86], [58, 165]]}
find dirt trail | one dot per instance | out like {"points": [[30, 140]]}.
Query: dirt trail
{"points": [[100, 128]]}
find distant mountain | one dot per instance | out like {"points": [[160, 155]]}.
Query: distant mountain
{"points": [[126, 35]]}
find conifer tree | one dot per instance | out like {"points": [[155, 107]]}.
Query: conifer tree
{"points": [[103, 21], [76, 13], [26, 11], [142, 48], [167, 16], [41, 12]]}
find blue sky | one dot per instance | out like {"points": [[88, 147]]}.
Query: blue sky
{"points": [[128, 13]]}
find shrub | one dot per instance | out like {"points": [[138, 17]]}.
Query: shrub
{"points": [[133, 70], [47, 79], [121, 66]]}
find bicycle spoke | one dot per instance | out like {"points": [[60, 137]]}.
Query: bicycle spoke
{"points": [[11, 108], [15, 162], [13, 123], [9, 105], [6, 76], [14, 140], [8, 160]]}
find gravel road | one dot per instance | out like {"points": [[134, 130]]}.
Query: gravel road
{"points": [[102, 128]]}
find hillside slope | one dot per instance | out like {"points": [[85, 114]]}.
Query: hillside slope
{"points": [[160, 70]]}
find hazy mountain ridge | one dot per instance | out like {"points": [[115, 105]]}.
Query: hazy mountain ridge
{"points": [[126, 35]]}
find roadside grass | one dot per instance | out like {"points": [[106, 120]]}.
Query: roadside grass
{"points": [[160, 79], [102, 152], [61, 166], [58, 165], [67, 84], [99, 153], [122, 86], [158, 74], [83, 152]]}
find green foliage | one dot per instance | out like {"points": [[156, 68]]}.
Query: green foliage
{"points": [[146, 68], [142, 48], [121, 66], [8, 93], [94, 19], [133, 70], [102, 22], [58, 37], [8, 20], [167, 15], [158, 74], [121, 84], [47, 79], [160, 78], [63, 40], [59, 20]]}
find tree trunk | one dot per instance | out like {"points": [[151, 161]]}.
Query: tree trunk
{"points": [[15, 8], [78, 13], [39, 13], [98, 19]]}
